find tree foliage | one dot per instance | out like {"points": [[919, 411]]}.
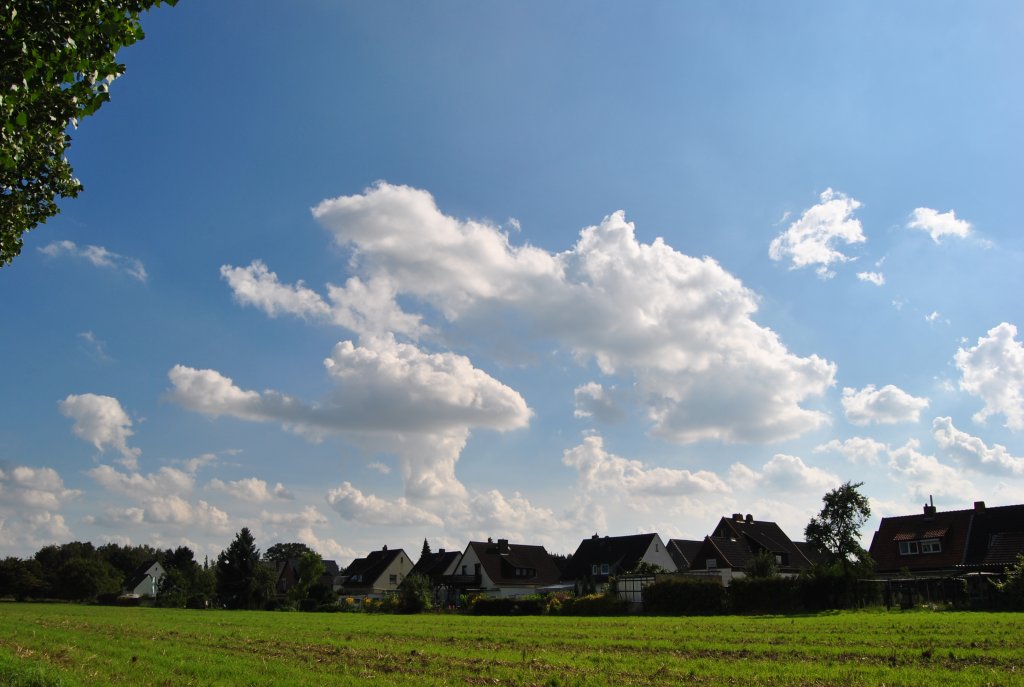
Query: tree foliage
{"points": [[282, 553], [763, 565], [425, 551], [1012, 584], [241, 579], [836, 529], [58, 60]]}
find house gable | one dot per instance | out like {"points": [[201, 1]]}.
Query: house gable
{"points": [[599, 558]]}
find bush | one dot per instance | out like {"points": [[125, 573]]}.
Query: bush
{"points": [[513, 605], [684, 596], [764, 595], [591, 605]]}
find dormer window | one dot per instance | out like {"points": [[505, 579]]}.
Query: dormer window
{"points": [[604, 568], [908, 548], [711, 563], [931, 546]]}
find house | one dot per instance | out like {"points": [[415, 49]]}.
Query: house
{"points": [[731, 549], [286, 574], [599, 558], [501, 569], [436, 567], [683, 552], [145, 581], [941, 543], [379, 573]]}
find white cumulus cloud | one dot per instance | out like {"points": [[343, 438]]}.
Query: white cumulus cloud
{"points": [[352, 504], [250, 489], [593, 400], [856, 449], [811, 240], [993, 370], [886, 406], [939, 224], [876, 278], [973, 452], [101, 421]]}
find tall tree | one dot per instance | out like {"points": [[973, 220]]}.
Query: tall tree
{"points": [[238, 573], [57, 61], [425, 551], [282, 553], [836, 529]]}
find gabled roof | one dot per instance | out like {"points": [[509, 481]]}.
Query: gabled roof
{"points": [[683, 551], [737, 540], [515, 564], [434, 565], [621, 554], [363, 572], [976, 538]]}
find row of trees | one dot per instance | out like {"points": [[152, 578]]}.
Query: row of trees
{"points": [[240, 577]]}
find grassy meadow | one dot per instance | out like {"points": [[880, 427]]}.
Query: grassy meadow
{"points": [[52, 644]]}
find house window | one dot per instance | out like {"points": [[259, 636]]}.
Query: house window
{"points": [[604, 568], [778, 559], [908, 548], [594, 569], [464, 570], [711, 563], [392, 579], [931, 546]]}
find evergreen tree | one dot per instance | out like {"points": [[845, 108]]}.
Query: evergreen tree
{"points": [[238, 573], [425, 551]]}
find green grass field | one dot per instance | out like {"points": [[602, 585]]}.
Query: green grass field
{"points": [[50, 644]]}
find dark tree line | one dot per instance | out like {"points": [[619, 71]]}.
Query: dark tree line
{"points": [[239, 578]]}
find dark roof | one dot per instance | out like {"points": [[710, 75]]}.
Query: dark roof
{"points": [[433, 565], [737, 540], [620, 553], [363, 572], [683, 551], [976, 538], [331, 567], [502, 561]]}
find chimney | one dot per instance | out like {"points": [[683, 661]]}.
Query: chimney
{"points": [[979, 505], [489, 540], [503, 546], [440, 550], [385, 548], [595, 536], [737, 517], [750, 518], [929, 508]]}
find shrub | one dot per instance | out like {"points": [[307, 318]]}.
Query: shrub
{"points": [[593, 605], [513, 605], [684, 596], [764, 595]]}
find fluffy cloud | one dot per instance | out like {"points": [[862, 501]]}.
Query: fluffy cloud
{"points": [[308, 517], [993, 370], [257, 286], [353, 504], [925, 475], [593, 400], [603, 472], [98, 256], [251, 489], [102, 422], [811, 240], [856, 449], [973, 452], [25, 487], [29, 499], [887, 406], [783, 473], [939, 224], [384, 386], [165, 481], [681, 325]]}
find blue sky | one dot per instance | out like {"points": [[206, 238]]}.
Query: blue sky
{"points": [[363, 273]]}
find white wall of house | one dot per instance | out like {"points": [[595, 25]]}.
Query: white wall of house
{"points": [[393, 575], [657, 554], [150, 582]]}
